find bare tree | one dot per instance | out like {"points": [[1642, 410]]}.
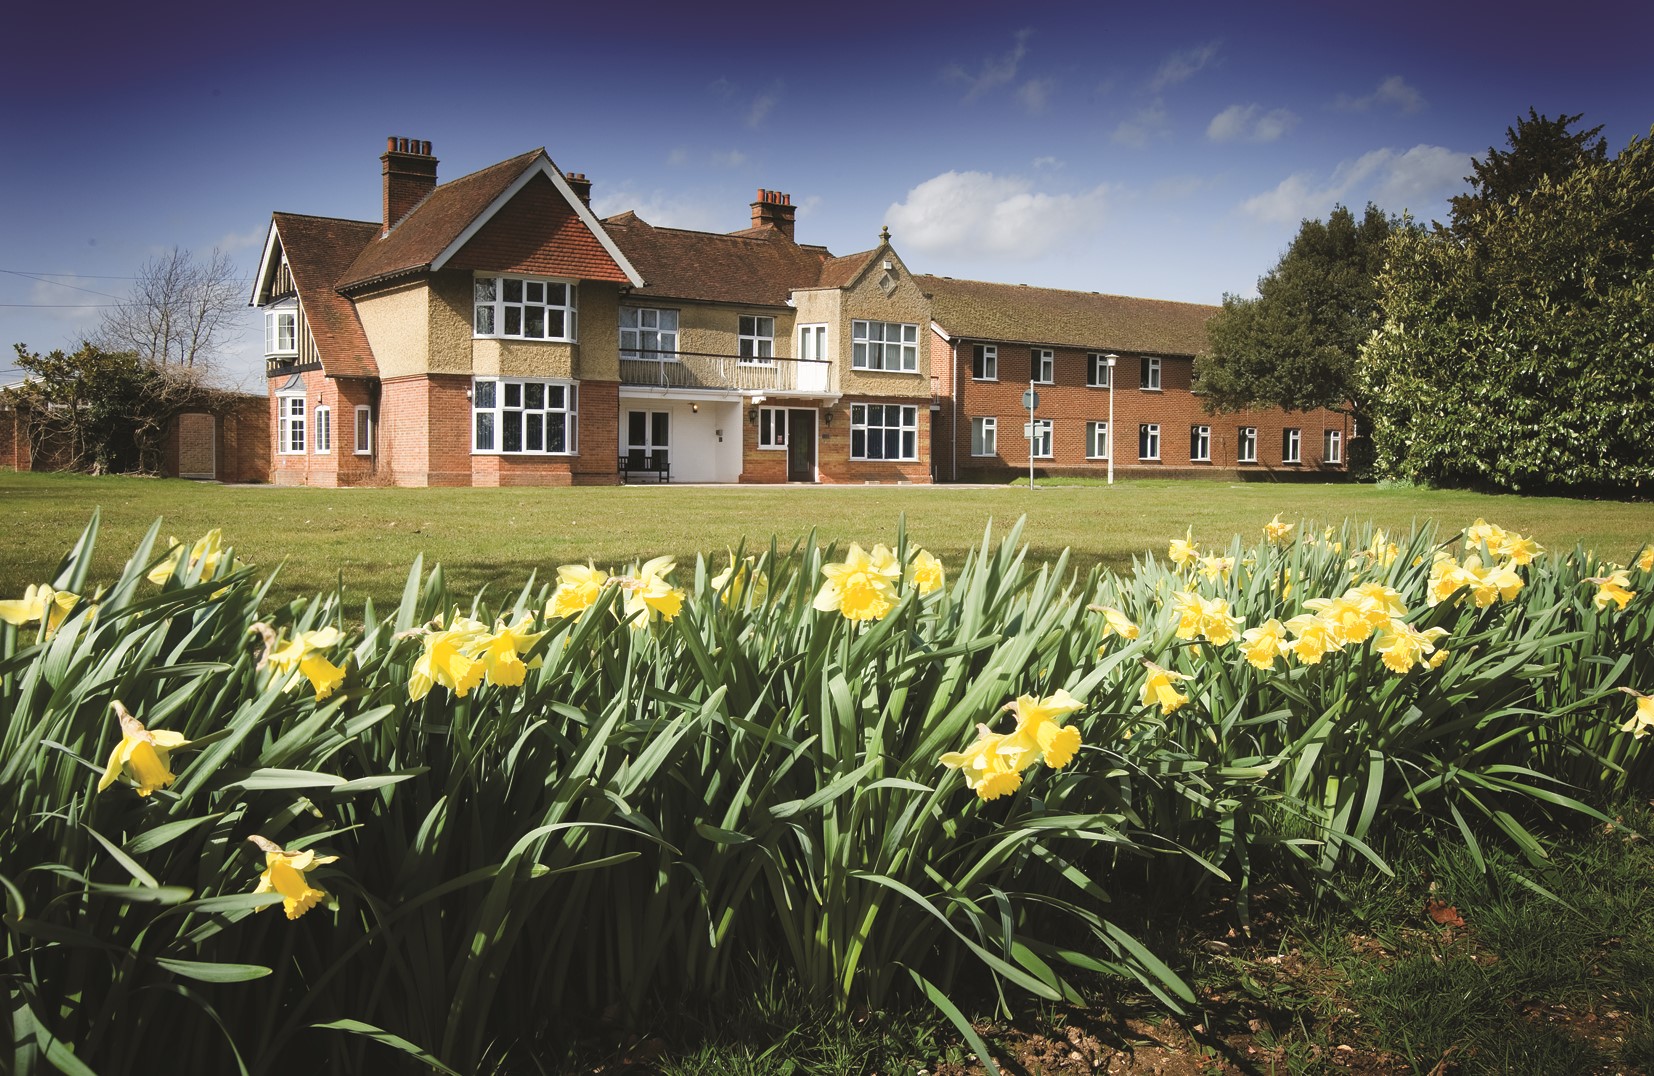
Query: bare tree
{"points": [[179, 312]]}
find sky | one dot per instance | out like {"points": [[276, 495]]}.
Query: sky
{"points": [[1168, 152]]}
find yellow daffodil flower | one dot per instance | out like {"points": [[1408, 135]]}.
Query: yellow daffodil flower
{"points": [[1182, 551], [989, 768], [1447, 577], [1645, 559], [1159, 689], [1439, 658], [1263, 644], [302, 658], [1351, 618], [578, 587], [500, 654], [1614, 587], [1313, 638], [1482, 533], [1037, 728], [1403, 646], [1116, 623], [648, 593], [284, 873], [925, 572], [1277, 531], [447, 659], [1493, 583], [1207, 618], [207, 553], [736, 581], [39, 602], [141, 754], [1216, 568], [1641, 722], [862, 587]]}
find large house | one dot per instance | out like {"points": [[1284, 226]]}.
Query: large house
{"points": [[492, 330]]}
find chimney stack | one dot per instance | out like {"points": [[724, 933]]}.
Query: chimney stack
{"points": [[775, 210], [409, 175], [581, 186]]}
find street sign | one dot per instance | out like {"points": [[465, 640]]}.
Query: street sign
{"points": [[1028, 430], [1030, 399]]}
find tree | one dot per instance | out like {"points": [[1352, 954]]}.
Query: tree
{"points": [[1540, 147], [179, 312], [1296, 345]]}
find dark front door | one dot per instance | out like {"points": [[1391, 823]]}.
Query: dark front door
{"points": [[801, 445], [647, 434]]}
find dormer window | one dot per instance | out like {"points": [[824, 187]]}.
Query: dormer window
{"points": [[524, 308], [281, 332]]}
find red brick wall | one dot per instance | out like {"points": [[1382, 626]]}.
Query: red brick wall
{"points": [[834, 450], [307, 468], [1070, 404], [537, 232], [598, 464], [245, 441], [404, 430]]}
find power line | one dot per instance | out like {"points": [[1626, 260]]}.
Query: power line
{"points": [[78, 276], [62, 306], [58, 283]]}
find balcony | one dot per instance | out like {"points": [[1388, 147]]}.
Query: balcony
{"points": [[689, 370]]}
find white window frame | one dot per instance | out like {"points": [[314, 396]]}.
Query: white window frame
{"points": [[490, 296], [812, 342], [1292, 445], [1332, 446], [363, 430], [906, 428], [1045, 438], [292, 424], [1148, 375], [985, 436], [1200, 444], [882, 349], [1246, 445], [492, 396], [772, 428], [755, 339], [277, 324], [648, 335], [323, 430], [1097, 370], [985, 357], [1044, 366], [1148, 437], [1099, 443]]}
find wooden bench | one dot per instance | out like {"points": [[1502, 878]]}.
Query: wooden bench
{"points": [[647, 463]]}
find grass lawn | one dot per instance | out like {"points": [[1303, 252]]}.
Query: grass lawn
{"points": [[496, 537]]}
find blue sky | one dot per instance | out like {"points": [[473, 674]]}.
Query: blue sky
{"points": [[1101, 147]]}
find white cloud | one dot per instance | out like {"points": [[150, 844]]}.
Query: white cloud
{"points": [[1150, 120], [1392, 92], [1035, 94], [1177, 188], [678, 157], [1250, 123], [978, 214], [233, 241], [730, 159], [994, 72], [763, 105], [1047, 162], [1394, 181], [1182, 66], [664, 210]]}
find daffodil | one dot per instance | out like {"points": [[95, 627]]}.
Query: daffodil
{"points": [[1263, 644], [1116, 623], [578, 587], [1439, 658], [206, 553], [1216, 568], [284, 873], [1614, 587], [988, 765], [925, 572], [142, 754], [1447, 577], [447, 659], [1207, 618], [500, 654], [1277, 531], [1641, 722], [862, 587], [1403, 646], [1493, 583], [1182, 551], [1482, 533], [39, 602], [1313, 638], [735, 582], [1645, 559], [303, 658], [1351, 618], [1037, 728], [1160, 688], [648, 593]]}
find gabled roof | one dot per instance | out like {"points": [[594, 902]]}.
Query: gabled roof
{"points": [[758, 266], [1016, 313], [845, 271], [318, 249], [435, 229]]}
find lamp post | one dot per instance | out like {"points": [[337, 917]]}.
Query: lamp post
{"points": [[1111, 359]]}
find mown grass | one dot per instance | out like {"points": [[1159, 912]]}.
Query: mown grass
{"points": [[497, 537]]}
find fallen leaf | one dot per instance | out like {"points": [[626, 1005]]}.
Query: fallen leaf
{"points": [[1444, 914]]}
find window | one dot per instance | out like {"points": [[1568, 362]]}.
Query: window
{"points": [[281, 332], [1096, 441], [984, 436], [1042, 438], [1148, 441], [812, 342], [884, 431], [521, 308], [1044, 366], [884, 345], [1149, 375], [1332, 446], [772, 427], [648, 334], [985, 362], [757, 340], [1291, 445], [511, 415], [1246, 445], [364, 431], [290, 431], [324, 429], [1200, 444], [1098, 373]]}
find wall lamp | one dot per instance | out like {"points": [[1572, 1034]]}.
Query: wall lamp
{"points": [[694, 408], [826, 418]]}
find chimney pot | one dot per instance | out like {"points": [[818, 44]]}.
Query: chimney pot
{"points": [[775, 210], [408, 175], [390, 144]]}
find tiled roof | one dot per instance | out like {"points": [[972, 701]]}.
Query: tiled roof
{"points": [[318, 250], [977, 310], [759, 266], [434, 223], [840, 272]]}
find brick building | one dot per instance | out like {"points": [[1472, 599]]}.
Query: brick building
{"points": [[492, 331]]}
